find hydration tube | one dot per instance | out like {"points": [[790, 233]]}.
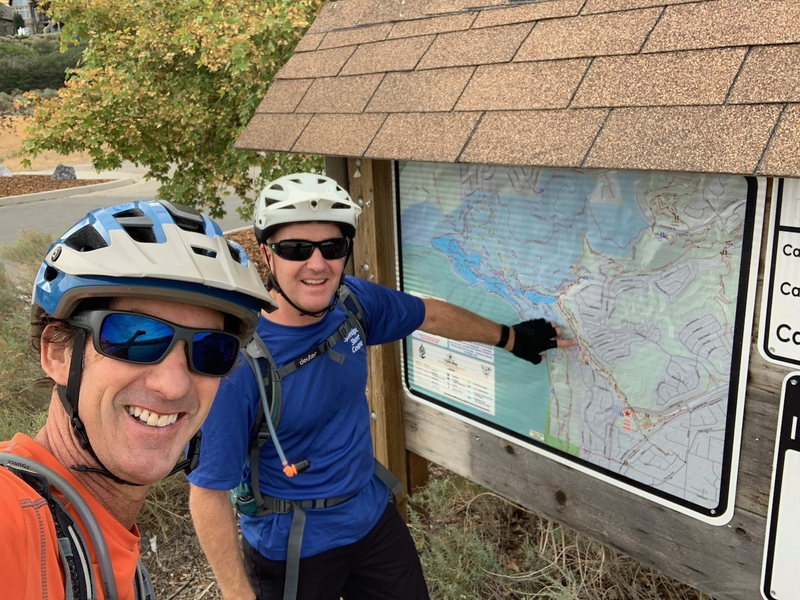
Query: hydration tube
{"points": [[262, 390]]}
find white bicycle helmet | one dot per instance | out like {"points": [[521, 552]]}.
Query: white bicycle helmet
{"points": [[155, 250], [304, 198]]}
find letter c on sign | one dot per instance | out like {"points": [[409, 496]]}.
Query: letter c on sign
{"points": [[778, 332]]}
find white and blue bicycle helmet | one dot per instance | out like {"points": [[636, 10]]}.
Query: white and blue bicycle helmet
{"points": [[145, 249], [152, 249]]}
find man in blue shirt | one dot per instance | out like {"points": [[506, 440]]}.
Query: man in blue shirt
{"points": [[354, 544]]}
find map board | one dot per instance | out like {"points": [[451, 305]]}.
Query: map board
{"points": [[653, 273]]}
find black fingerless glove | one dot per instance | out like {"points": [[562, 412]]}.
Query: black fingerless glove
{"points": [[533, 337]]}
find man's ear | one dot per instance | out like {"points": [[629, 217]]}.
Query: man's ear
{"points": [[265, 255], [55, 358]]}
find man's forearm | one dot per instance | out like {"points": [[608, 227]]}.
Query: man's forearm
{"points": [[215, 524], [456, 323]]}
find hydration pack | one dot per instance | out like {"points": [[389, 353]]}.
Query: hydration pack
{"points": [[72, 550]]}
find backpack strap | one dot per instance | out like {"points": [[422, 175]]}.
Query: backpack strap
{"points": [[298, 524], [72, 550], [268, 376], [78, 574]]}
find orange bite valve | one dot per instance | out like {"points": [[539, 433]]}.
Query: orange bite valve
{"points": [[299, 467]]}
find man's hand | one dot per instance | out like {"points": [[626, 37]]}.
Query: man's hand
{"points": [[532, 338]]}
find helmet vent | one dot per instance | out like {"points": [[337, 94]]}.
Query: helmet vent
{"points": [[137, 225], [235, 254], [277, 187], [140, 230], [86, 239], [50, 273], [341, 205], [204, 252], [185, 217], [127, 214]]}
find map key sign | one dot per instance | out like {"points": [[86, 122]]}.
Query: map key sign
{"points": [[780, 577], [780, 313], [653, 274]]}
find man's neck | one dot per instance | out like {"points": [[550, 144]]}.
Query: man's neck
{"points": [[288, 315], [123, 501]]}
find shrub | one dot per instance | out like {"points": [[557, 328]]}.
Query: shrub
{"points": [[35, 63]]}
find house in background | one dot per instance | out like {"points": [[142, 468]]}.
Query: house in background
{"points": [[6, 20], [35, 20]]}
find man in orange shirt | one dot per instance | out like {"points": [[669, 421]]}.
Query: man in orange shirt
{"points": [[138, 311]]}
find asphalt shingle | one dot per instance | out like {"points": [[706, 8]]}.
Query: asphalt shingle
{"points": [[434, 137], [770, 74], [704, 139], [392, 55], [517, 86], [433, 90], [593, 35], [558, 138], [475, 47], [664, 79]]}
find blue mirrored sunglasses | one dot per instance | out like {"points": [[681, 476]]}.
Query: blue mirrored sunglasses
{"points": [[142, 339]]}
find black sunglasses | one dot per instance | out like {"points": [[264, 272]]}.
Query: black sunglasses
{"points": [[303, 249], [142, 339]]}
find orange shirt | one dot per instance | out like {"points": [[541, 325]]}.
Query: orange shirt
{"points": [[30, 568]]}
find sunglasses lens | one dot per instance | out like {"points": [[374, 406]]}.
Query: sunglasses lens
{"points": [[295, 250], [214, 352], [332, 249], [135, 338], [302, 249], [140, 339]]}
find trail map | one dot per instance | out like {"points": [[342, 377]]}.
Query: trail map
{"points": [[647, 271]]}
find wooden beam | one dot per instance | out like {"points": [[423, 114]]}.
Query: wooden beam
{"points": [[374, 259]]}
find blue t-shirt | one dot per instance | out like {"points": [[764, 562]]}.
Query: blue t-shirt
{"points": [[325, 419]]}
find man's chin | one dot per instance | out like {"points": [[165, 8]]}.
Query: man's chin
{"points": [[148, 470]]}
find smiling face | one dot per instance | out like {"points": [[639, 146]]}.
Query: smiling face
{"points": [[311, 283], [140, 417]]}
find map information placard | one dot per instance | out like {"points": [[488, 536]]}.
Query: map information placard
{"points": [[652, 273]]}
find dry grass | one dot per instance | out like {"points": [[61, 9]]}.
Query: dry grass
{"points": [[12, 133]]}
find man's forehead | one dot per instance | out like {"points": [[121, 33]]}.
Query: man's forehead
{"points": [[310, 229], [181, 313]]}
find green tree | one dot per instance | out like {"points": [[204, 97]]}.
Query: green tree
{"points": [[171, 85], [18, 21]]}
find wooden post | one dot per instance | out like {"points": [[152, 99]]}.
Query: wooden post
{"points": [[374, 259]]}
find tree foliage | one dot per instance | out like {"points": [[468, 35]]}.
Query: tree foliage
{"points": [[171, 85]]}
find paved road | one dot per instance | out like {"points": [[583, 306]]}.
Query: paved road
{"points": [[56, 215]]}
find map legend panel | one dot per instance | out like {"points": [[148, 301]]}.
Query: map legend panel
{"points": [[780, 578], [780, 312]]}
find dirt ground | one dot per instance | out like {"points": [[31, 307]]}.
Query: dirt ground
{"points": [[31, 184], [12, 133]]}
